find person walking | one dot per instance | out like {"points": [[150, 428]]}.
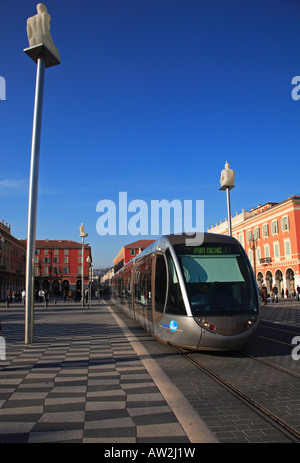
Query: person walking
{"points": [[275, 293], [264, 294]]}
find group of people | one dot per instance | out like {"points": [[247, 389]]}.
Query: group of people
{"points": [[72, 295], [15, 296], [41, 295], [273, 297], [19, 296], [75, 295]]}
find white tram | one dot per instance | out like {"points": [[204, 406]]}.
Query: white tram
{"points": [[201, 297]]}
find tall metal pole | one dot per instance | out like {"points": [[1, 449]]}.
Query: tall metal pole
{"points": [[229, 211], [227, 183], [82, 273], [83, 235], [32, 201], [38, 34]]}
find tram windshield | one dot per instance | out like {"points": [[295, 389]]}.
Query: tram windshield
{"points": [[218, 279]]}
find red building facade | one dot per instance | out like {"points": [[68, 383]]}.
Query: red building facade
{"points": [[129, 251], [12, 262], [58, 265], [270, 235]]}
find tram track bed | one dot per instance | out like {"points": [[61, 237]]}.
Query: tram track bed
{"points": [[240, 377]]}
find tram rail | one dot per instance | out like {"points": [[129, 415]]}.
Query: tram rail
{"points": [[271, 364], [269, 416]]}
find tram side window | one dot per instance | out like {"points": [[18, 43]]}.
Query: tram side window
{"points": [[137, 286], [175, 303], [120, 288], [127, 287], [160, 283]]}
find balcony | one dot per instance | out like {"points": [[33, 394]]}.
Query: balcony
{"points": [[265, 260]]}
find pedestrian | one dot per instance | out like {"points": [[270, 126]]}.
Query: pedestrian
{"points": [[23, 296], [264, 294], [275, 293], [8, 295], [86, 293], [298, 293], [287, 292]]}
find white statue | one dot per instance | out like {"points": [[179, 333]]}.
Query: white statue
{"points": [[227, 176], [38, 30], [82, 232]]}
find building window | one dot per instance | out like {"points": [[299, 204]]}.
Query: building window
{"points": [[258, 254], [46, 271], [256, 233], [37, 252], [79, 271], [80, 252], [267, 250], [46, 260], [55, 270], [240, 238], [287, 248], [265, 230], [56, 252], [46, 252], [79, 260], [274, 227], [285, 223], [276, 251], [66, 270], [66, 260], [66, 252], [55, 260], [249, 236], [250, 254], [132, 252]]}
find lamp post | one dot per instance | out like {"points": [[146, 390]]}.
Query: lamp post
{"points": [[253, 243], [227, 183], [83, 235], [89, 261], [44, 53]]}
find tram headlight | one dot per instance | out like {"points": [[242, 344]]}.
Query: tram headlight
{"points": [[248, 324], [204, 324]]}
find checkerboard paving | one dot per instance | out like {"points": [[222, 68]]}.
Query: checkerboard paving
{"points": [[81, 381]]}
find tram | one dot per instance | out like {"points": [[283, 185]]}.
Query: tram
{"points": [[199, 297]]}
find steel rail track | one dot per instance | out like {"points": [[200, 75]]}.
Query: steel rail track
{"points": [[274, 420]]}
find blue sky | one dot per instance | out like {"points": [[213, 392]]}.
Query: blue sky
{"points": [[151, 98]]}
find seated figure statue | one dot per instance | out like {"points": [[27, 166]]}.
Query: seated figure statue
{"points": [[82, 232], [227, 176], [38, 30]]}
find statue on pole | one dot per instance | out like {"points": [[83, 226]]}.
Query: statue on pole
{"points": [[227, 176], [82, 232], [45, 54], [38, 30], [227, 183]]}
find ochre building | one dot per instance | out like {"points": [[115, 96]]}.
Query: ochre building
{"points": [[270, 234]]}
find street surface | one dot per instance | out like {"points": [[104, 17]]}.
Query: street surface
{"points": [[93, 375]]}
